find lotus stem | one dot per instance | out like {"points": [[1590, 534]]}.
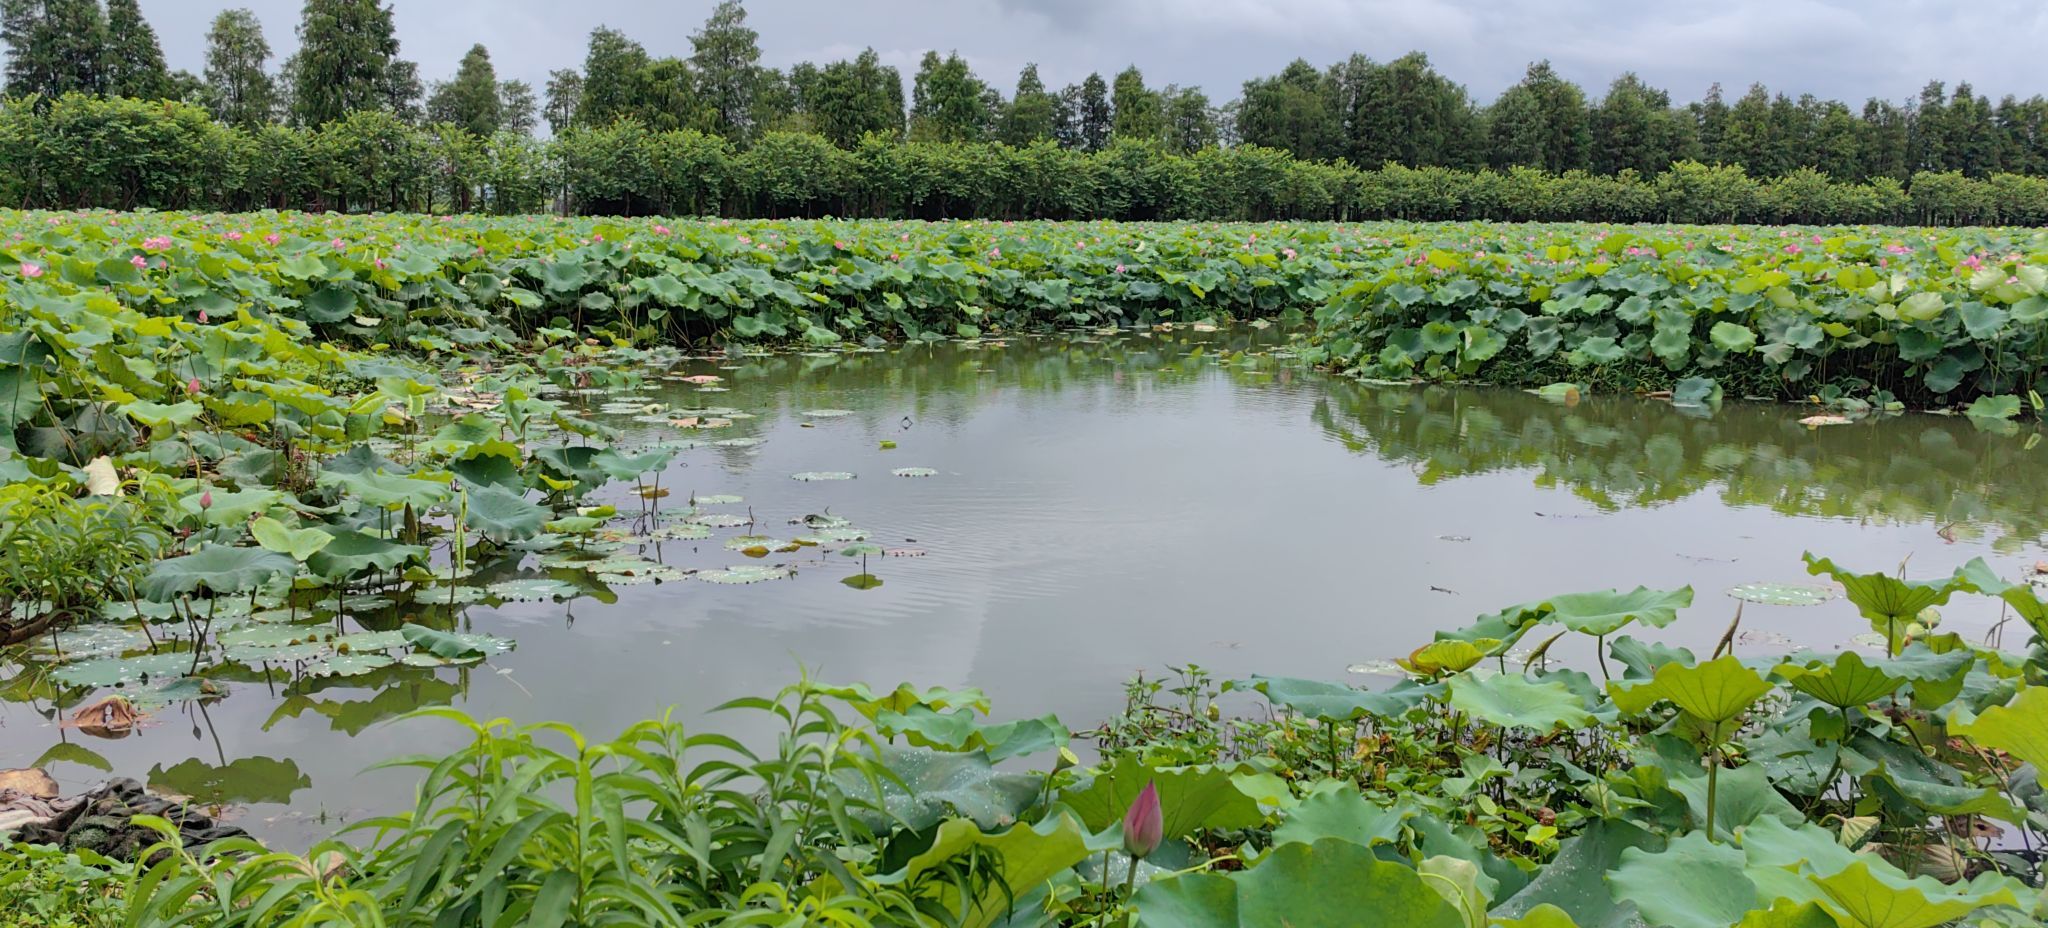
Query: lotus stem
{"points": [[1713, 770]]}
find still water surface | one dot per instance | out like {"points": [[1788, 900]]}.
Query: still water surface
{"points": [[1108, 505]]}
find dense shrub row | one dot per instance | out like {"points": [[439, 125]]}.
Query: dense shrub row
{"points": [[125, 154]]}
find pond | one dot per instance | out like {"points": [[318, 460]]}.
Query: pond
{"points": [[1099, 506]]}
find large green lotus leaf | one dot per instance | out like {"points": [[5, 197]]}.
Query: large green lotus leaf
{"points": [[1329, 884], [621, 466], [1576, 879], [963, 729], [244, 780], [1607, 611], [1335, 701], [1337, 810], [217, 569], [1741, 795], [1191, 798], [1512, 700], [2019, 728], [1640, 659], [298, 543], [1715, 691], [1883, 597], [1875, 895], [1691, 883], [453, 645], [1905, 773], [352, 552], [932, 786], [387, 491], [2028, 605], [1786, 913], [1026, 855], [121, 671], [506, 515], [1845, 683], [231, 507]]}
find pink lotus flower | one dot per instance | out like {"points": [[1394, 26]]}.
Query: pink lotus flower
{"points": [[273, 238], [192, 387], [338, 243], [31, 271], [156, 243], [1119, 268], [1144, 824], [1791, 249], [661, 230], [995, 252], [234, 236], [378, 262], [1289, 252], [139, 261], [842, 246], [596, 239], [746, 241]]}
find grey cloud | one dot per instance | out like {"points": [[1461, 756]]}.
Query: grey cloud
{"points": [[1833, 48]]}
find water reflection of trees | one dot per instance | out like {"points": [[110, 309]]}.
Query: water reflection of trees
{"points": [[1619, 452]]}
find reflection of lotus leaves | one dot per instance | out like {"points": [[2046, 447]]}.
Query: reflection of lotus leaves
{"points": [[246, 780]]}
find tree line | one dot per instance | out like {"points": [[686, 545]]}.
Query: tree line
{"points": [[82, 151], [1358, 111]]}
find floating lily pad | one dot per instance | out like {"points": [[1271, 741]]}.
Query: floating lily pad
{"points": [[720, 520], [121, 671], [815, 475], [348, 665], [737, 442], [656, 574], [369, 641], [827, 413], [273, 636], [743, 574], [1781, 594], [717, 499], [825, 521], [914, 472], [862, 581], [291, 653], [532, 589], [744, 542]]}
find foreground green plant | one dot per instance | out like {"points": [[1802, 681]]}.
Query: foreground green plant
{"points": [[1783, 790]]}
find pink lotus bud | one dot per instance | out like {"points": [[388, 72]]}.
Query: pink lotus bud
{"points": [[192, 387], [31, 271], [202, 317], [1144, 824], [139, 261], [206, 501]]}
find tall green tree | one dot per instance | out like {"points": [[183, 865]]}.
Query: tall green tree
{"points": [[1408, 113], [1139, 114], [344, 62], [664, 97], [564, 98], [1289, 111], [239, 91], [948, 103], [1031, 114], [1634, 128], [1092, 114], [1541, 123], [54, 47], [518, 110], [611, 72], [1747, 137], [1710, 122], [135, 62], [727, 63], [850, 99], [401, 91], [1884, 140], [1190, 120], [471, 99]]}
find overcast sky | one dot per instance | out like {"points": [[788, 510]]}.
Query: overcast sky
{"points": [[1846, 49]]}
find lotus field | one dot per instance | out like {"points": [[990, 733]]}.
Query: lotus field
{"points": [[226, 433]]}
